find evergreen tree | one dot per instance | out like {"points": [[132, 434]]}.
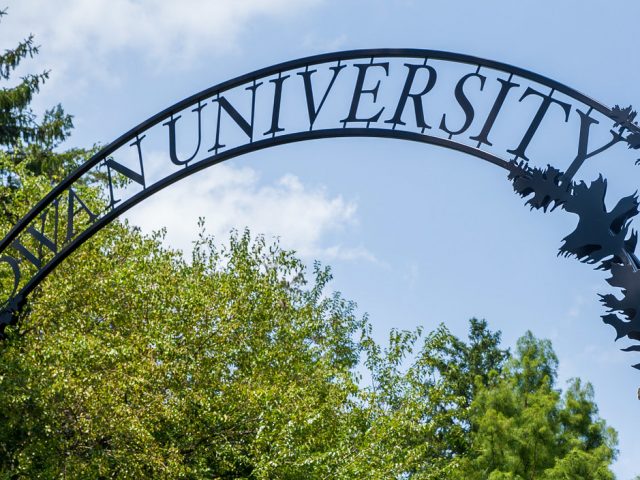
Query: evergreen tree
{"points": [[22, 135], [524, 428]]}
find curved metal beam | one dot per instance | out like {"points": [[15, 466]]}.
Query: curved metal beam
{"points": [[14, 303], [290, 65]]}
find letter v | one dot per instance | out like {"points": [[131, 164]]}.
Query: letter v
{"points": [[308, 90]]}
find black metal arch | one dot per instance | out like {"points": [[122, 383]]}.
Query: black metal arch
{"points": [[291, 65], [515, 169]]}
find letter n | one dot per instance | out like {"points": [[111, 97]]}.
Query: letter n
{"points": [[73, 211], [126, 171]]}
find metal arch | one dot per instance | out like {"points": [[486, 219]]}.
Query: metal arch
{"points": [[548, 186], [290, 65]]}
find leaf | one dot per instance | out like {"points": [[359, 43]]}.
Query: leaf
{"points": [[623, 116], [628, 279], [633, 140], [545, 185], [599, 234], [622, 328], [633, 348]]}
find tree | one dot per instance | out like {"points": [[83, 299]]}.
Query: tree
{"points": [[236, 365], [22, 136], [223, 367], [419, 419], [525, 428], [29, 157]]}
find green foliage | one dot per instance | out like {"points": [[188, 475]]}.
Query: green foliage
{"points": [[221, 367], [238, 364], [419, 419], [524, 428], [132, 362]]}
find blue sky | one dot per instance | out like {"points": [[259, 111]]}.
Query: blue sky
{"points": [[417, 235]]}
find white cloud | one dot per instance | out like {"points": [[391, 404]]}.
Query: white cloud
{"points": [[162, 33], [302, 217]]}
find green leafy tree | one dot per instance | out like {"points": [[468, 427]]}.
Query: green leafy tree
{"points": [[419, 416], [237, 365], [223, 367], [525, 428], [30, 158]]}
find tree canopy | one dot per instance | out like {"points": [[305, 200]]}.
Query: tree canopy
{"points": [[236, 364], [133, 361]]}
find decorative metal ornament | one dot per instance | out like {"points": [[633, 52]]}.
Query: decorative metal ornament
{"points": [[387, 95], [602, 238]]}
